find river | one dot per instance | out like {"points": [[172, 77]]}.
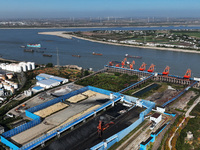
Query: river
{"points": [[12, 39]]}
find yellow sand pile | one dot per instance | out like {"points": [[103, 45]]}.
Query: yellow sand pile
{"points": [[76, 116], [76, 98], [90, 93], [51, 109]]}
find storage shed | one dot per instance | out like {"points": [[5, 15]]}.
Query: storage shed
{"points": [[47, 83]]}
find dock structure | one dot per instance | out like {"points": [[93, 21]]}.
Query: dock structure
{"points": [[155, 76]]}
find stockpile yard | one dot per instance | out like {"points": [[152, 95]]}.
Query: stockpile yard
{"points": [[61, 113], [116, 118]]}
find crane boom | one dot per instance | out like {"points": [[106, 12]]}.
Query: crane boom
{"points": [[188, 74], [151, 68], [142, 67], [131, 65], [166, 71]]}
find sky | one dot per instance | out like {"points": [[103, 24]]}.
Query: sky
{"points": [[98, 8]]}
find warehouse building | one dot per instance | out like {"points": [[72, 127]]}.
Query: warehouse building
{"points": [[44, 76], [49, 83], [37, 89]]}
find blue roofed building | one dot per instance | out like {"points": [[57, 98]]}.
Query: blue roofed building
{"points": [[37, 89]]}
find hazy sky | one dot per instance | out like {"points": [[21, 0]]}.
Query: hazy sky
{"points": [[98, 8]]}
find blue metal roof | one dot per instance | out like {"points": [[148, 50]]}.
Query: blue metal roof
{"points": [[37, 88]]}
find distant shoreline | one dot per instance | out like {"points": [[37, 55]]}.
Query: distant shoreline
{"points": [[152, 26], [64, 34]]}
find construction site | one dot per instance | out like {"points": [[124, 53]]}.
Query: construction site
{"points": [[77, 117]]}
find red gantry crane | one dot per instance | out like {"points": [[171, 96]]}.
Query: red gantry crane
{"points": [[151, 68], [117, 65], [131, 65], [124, 62], [110, 63], [166, 71], [142, 67], [187, 74]]}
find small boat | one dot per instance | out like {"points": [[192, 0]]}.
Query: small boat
{"points": [[76, 56], [129, 56], [34, 45], [97, 54], [47, 55], [39, 51], [22, 46], [29, 50]]}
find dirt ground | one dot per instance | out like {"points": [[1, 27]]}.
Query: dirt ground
{"points": [[161, 98], [182, 103]]}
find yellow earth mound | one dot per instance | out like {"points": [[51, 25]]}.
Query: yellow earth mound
{"points": [[51, 109], [90, 93], [76, 98]]}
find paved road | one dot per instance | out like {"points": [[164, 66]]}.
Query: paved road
{"points": [[187, 114]]}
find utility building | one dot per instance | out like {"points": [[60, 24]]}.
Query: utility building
{"points": [[156, 118]]}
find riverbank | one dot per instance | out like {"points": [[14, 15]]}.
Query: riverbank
{"points": [[64, 34]]}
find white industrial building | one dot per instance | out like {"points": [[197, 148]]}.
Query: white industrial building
{"points": [[44, 76], [160, 109], [156, 118], [49, 83], [22, 66]]}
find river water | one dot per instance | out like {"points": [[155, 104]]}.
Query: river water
{"points": [[12, 39]]}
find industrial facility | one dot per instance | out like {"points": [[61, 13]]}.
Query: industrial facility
{"points": [[95, 118], [46, 81], [18, 67]]}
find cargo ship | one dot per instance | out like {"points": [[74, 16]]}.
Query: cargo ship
{"points": [[29, 50], [34, 45], [97, 54], [129, 56], [76, 56], [47, 55]]}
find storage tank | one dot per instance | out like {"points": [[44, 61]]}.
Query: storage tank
{"points": [[32, 65], [29, 66], [23, 65], [3, 66]]}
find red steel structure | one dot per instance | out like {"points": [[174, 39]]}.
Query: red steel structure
{"points": [[166, 71], [142, 67], [124, 62], [188, 74], [151, 68], [131, 65]]}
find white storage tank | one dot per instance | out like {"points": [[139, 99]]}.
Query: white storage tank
{"points": [[32, 65], [29, 66]]}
